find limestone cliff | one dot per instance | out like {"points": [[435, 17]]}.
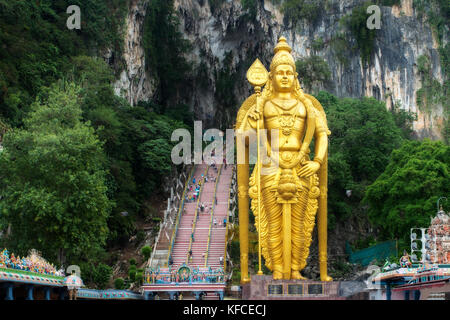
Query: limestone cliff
{"points": [[134, 83], [229, 32]]}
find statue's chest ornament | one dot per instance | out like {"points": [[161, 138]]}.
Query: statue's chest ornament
{"points": [[286, 122], [287, 117]]}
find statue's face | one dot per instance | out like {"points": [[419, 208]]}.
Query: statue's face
{"points": [[283, 78]]}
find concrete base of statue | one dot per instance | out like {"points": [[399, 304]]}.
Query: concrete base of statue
{"points": [[265, 288]]}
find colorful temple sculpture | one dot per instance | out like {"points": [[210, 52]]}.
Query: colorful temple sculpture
{"points": [[32, 263], [33, 278], [438, 241], [29, 278]]}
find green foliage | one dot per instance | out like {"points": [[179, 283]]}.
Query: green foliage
{"points": [[340, 269], [236, 278], [235, 251], [317, 44], [119, 284], [146, 251], [139, 277], [226, 79], [251, 7], [297, 10], [356, 22], [36, 45], [405, 195], [132, 262], [135, 139], [404, 120], [444, 54], [132, 274], [215, 5], [340, 46], [363, 134], [312, 70], [165, 48], [54, 192], [150, 135], [140, 236], [437, 13], [363, 243], [96, 275], [389, 3], [432, 92], [3, 128]]}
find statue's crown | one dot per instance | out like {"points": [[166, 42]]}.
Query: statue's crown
{"points": [[282, 55]]}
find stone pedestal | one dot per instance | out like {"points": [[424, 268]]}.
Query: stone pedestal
{"points": [[265, 288]]}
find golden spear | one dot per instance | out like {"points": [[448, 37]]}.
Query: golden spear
{"points": [[258, 76]]}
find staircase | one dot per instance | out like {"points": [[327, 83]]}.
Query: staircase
{"points": [[209, 241], [199, 246], [183, 236], [217, 243], [208, 244]]}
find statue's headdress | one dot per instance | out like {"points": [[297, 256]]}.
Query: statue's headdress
{"points": [[282, 55]]}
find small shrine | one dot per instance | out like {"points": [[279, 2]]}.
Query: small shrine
{"points": [[426, 276], [185, 279]]}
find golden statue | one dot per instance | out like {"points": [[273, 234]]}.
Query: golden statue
{"points": [[287, 189]]}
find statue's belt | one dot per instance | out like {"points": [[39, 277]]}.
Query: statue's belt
{"points": [[267, 181]]}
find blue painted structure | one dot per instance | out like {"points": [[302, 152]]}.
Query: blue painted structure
{"points": [[110, 294]]}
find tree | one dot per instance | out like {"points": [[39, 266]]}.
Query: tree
{"points": [[297, 10], [146, 251], [136, 141], [405, 195], [53, 180], [363, 135], [119, 284], [97, 275], [36, 45]]}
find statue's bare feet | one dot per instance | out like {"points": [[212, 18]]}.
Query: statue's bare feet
{"points": [[326, 278], [296, 275], [277, 275]]}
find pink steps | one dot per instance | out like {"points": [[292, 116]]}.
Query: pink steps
{"points": [[181, 245], [201, 232]]}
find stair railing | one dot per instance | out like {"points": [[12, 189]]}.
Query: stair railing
{"points": [[226, 225], [180, 210]]}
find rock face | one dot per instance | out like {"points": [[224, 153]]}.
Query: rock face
{"points": [[135, 83], [392, 75]]}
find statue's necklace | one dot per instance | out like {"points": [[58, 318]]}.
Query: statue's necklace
{"points": [[287, 117]]}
